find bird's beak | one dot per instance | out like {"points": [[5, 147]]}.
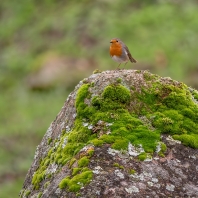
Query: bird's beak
{"points": [[111, 42]]}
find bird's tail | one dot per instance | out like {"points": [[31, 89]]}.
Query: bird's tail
{"points": [[132, 59]]}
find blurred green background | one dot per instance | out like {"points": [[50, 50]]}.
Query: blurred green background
{"points": [[47, 46]]}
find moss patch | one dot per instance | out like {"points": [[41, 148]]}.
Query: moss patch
{"points": [[76, 171], [168, 107], [84, 161], [176, 114], [39, 195], [117, 93], [142, 156], [115, 117], [81, 175], [195, 94], [118, 165], [132, 171], [27, 193], [188, 140], [96, 71], [38, 176], [74, 184]]}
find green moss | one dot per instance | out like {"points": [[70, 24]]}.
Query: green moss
{"points": [[81, 95], [48, 176], [58, 157], [195, 94], [39, 195], [85, 169], [142, 156], [36, 179], [132, 171], [47, 161], [75, 138], [81, 175], [117, 93], [188, 140], [126, 126], [177, 114], [84, 161], [96, 101], [63, 131], [76, 171], [148, 76], [49, 141], [96, 71], [50, 152], [79, 136], [90, 153], [72, 162], [85, 81], [120, 144], [121, 167], [64, 182], [119, 80], [188, 113], [40, 174], [118, 165], [27, 192], [74, 184], [107, 139], [46, 184], [163, 147], [97, 142], [116, 116], [161, 154], [138, 71]]}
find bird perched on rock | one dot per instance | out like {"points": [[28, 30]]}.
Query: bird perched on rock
{"points": [[119, 52]]}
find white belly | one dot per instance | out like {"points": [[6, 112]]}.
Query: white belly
{"points": [[123, 59]]}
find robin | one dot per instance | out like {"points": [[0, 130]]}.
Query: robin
{"points": [[119, 52]]}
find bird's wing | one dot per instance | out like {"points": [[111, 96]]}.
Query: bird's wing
{"points": [[129, 55]]}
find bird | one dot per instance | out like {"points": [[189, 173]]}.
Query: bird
{"points": [[119, 52]]}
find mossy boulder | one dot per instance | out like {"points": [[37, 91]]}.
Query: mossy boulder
{"points": [[115, 122]]}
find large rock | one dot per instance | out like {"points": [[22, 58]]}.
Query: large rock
{"points": [[122, 133]]}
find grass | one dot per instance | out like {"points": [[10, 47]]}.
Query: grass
{"points": [[11, 187], [19, 137]]}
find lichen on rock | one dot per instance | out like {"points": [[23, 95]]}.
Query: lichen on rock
{"points": [[113, 130]]}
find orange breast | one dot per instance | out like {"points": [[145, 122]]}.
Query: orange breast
{"points": [[115, 49]]}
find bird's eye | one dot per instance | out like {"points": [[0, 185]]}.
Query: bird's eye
{"points": [[116, 40]]}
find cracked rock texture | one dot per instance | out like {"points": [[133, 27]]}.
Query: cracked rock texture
{"points": [[173, 175]]}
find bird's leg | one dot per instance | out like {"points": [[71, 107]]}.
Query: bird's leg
{"points": [[118, 66], [125, 63]]}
